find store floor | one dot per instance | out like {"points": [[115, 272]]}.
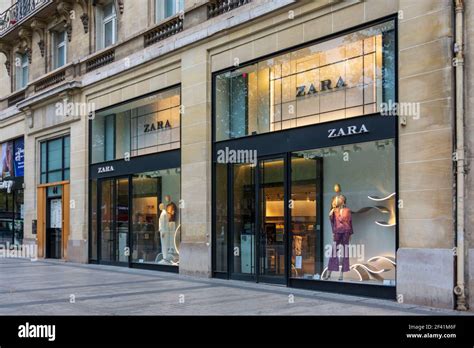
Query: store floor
{"points": [[59, 288]]}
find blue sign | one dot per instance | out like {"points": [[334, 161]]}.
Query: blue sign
{"points": [[19, 158]]}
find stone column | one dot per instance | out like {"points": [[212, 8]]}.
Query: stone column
{"points": [[195, 253], [32, 162], [425, 271], [78, 244]]}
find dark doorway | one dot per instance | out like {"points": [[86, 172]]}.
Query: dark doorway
{"points": [[54, 220]]}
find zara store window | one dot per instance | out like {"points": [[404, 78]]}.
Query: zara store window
{"points": [[140, 127], [156, 217], [344, 216], [322, 206], [344, 77]]}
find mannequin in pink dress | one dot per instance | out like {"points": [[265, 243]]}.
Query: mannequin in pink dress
{"points": [[341, 223]]}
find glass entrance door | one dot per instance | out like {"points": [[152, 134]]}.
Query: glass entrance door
{"points": [[272, 220], [54, 222], [243, 249], [258, 221], [114, 220], [306, 217]]}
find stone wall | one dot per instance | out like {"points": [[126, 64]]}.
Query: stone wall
{"points": [[469, 143], [426, 218]]}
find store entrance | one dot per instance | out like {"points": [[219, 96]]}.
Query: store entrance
{"points": [[259, 221], [54, 217], [275, 218], [114, 220], [53, 213], [272, 220]]}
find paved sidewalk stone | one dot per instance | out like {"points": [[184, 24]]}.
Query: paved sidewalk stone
{"points": [[47, 287]]}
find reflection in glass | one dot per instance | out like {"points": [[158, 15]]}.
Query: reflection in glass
{"points": [[145, 218], [122, 218], [221, 218], [156, 226], [55, 160], [244, 219], [272, 217], [306, 247], [93, 217], [358, 213], [11, 219], [107, 220], [344, 77], [114, 211], [148, 125]]}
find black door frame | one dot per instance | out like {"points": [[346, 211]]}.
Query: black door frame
{"points": [[231, 230], [114, 220], [287, 186], [259, 223], [48, 228]]}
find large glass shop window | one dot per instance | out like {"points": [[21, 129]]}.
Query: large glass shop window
{"points": [[144, 126], [343, 213], [156, 229], [344, 77]]}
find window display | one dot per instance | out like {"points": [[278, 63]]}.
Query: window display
{"points": [[12, 162], [348, 234], [156, 229]]}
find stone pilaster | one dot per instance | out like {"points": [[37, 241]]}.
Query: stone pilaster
{"points": [[426, 235], [195, 255]]}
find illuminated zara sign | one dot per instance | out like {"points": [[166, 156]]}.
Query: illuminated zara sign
{"points": [[105, 169], [325, 85], [155, 126], [347, 131]]}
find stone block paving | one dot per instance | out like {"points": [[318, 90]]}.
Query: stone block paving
{"points": [[60, 288]]}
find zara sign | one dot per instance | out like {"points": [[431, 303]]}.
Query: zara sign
{"points": [[325, 85], [155, 126], [105, 169], [347, 131]]}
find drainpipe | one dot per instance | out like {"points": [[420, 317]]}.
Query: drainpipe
{"points": [[459, 289]]}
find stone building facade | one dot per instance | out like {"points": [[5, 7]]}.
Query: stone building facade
{"points": [[121, 56]]}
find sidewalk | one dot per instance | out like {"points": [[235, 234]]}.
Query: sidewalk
{"points": [[59, 288]]}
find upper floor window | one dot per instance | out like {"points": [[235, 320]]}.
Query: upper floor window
{"points": [[22, 71], [59, 49], [55, 160], [348, 76], [168, 8], [106, 25], [144, 126]]}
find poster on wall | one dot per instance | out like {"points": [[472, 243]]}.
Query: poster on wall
{"points": [[19, 158], [6, 160], [56, 213]]}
